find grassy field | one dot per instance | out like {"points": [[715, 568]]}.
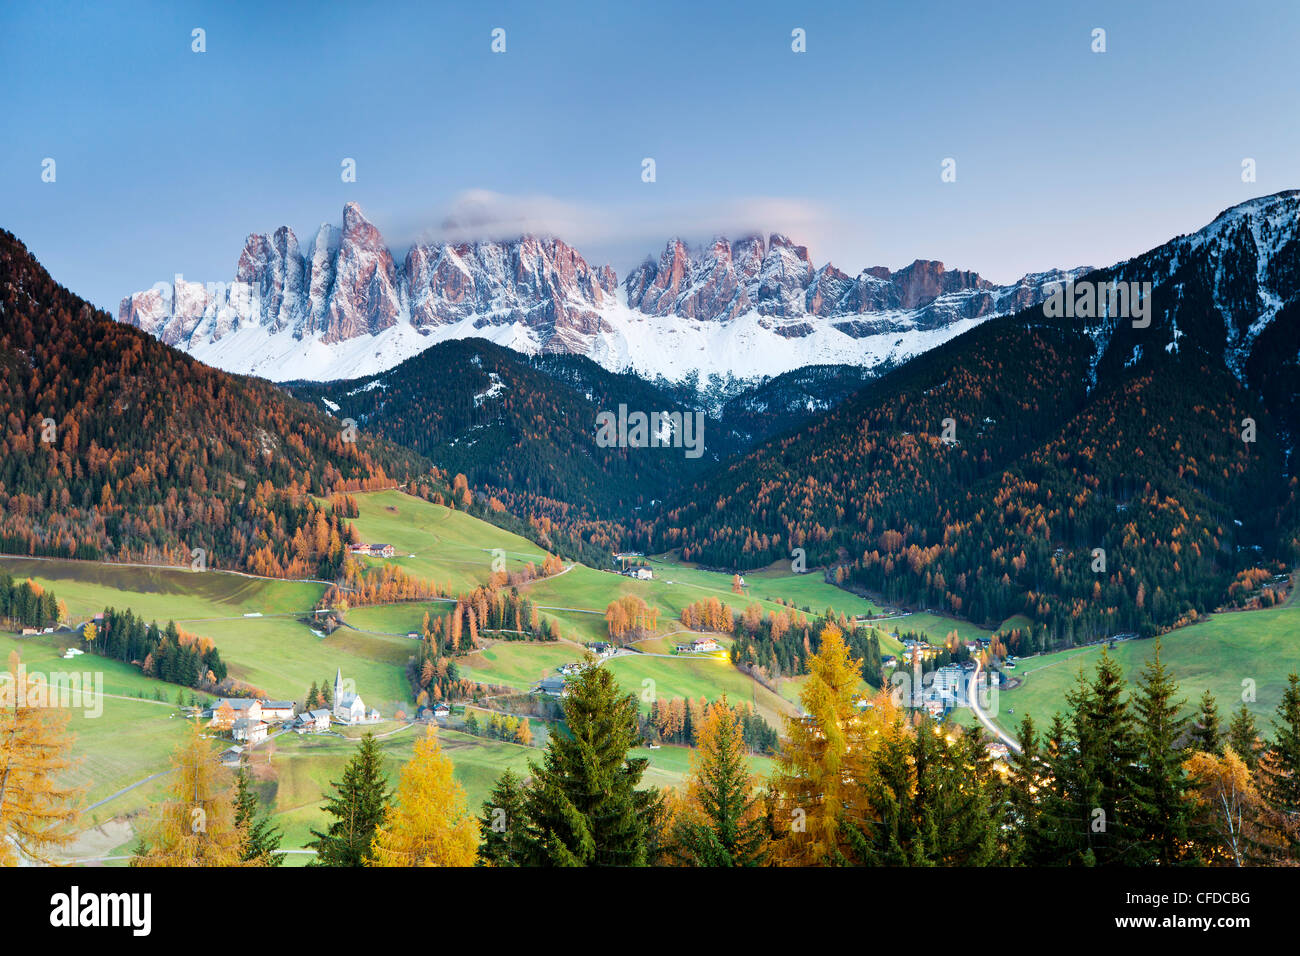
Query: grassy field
{"points": [[256, 625], [518, 664], [163, 595], [1216, 655], [437, 544]]}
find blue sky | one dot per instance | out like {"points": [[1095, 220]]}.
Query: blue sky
{"points": [[167, 159]]}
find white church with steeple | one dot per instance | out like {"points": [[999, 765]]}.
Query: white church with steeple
{"points": [[349, 708]]}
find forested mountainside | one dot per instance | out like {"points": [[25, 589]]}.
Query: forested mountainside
{"points": [[1069, 435], [786, 401], [522, 429], [119, 447]]}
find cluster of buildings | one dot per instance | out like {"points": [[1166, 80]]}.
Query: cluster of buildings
{"points": [[249, 719], [558, 686], [373, 550]]}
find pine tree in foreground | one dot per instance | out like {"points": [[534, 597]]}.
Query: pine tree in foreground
{"points": [[1162, 810], [195, 824], [1279, 774], [1243, 737], [722, 822], [1207, 731], [1102, 765], [1021, 818], [259, 839], [37, 812], [428, 822], [503, 824], [583, 806], [357, 806]]}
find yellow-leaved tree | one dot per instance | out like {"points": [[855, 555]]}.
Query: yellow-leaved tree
{"points": [[428, 823], [1227, 805], [195, 824], [36, 811], [817, 783]]}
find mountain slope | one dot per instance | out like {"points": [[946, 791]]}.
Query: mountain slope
{"points": [[1070, 435], [523, 429], [120, 447]]}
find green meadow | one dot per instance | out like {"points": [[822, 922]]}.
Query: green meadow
{"points": [[436, 543], [256, 625], [1230, 654]]}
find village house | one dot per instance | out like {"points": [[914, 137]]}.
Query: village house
{"points": [[705, 645], [278, 709], [603, 649], [441, 711], [251, 732], [643, 574], [946, 686], [373, 550], [553, 686], [314, 721], [225, 711]]}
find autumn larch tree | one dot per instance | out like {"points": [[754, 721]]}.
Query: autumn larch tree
{"points": [[428, 823], [811, 799], [36, 810], [195, 825]]}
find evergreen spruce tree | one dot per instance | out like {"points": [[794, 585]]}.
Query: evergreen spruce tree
{"points": [[583, 807], [890, 837], [259, 840], [357, 805], [503, 824], [1103, 766], [723, 824], [953, 797], [1279, 771], [1243, 737], [1207, 731], [1021, 805], [1064, 815], [1163, 811]]}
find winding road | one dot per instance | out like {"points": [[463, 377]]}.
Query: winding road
{"points": [[972, 695]]}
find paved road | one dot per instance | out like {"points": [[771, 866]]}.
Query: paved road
{"points": [[127, 789], [972, 692]]}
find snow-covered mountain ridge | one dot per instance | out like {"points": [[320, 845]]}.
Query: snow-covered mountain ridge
{"points": [[345, 306]]}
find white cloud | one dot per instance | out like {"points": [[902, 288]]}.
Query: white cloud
{"points": [[622, 234]]}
